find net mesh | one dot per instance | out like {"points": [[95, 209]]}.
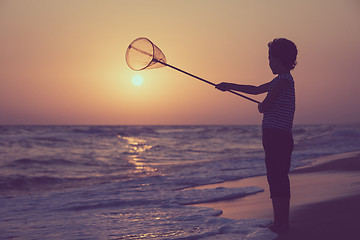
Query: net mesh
{"points": [[143, 54]]}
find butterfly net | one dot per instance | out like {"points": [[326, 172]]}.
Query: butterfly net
{"points": [[143, 54]]}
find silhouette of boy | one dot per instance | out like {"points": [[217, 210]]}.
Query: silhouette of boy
{"points": [[278, 110]]}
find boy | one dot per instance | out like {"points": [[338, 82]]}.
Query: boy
{"points": [[278, 110]]}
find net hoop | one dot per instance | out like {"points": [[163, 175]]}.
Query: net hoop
{"points": [[143, 54]]}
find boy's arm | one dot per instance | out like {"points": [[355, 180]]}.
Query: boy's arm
{"points": [[224, 86]]}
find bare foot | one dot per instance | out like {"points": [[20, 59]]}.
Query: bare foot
{"points": [[279, 228]]}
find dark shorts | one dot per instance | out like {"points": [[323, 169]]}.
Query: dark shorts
{"points": [[278, 146]]}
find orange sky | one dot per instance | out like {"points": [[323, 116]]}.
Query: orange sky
{"points": [[63, 62]]}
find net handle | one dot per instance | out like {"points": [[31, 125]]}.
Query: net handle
{"points": [[206, 81]]}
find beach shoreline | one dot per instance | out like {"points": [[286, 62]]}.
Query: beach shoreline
{"points": [[324, 203]]}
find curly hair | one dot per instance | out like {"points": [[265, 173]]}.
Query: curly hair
{"points": [[285, 50]]}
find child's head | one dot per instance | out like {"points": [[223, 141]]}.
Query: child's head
{"points": [[285, 51]]}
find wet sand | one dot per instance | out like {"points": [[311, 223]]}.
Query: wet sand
{"points": [[325, 201]]}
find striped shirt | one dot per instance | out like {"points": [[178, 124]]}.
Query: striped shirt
{"points": [[282, 110]]}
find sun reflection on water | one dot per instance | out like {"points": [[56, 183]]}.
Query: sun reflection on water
{"points": [[137, 147]]}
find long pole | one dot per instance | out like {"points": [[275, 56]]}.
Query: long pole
{"points": [[192, 75], [206, 81]]}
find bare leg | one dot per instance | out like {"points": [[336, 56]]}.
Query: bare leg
{"points": [[281, 207]]}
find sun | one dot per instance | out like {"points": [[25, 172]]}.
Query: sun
{"points": [[137, 80]]}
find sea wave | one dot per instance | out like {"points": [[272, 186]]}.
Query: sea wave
{"points": [[132, 182], [28, 162]]}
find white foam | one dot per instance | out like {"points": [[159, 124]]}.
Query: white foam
{"points": [[193, 196]]}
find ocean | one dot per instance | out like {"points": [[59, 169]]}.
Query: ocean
{"points": [[134, 182]]}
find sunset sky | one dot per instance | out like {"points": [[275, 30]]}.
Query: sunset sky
{"points": [[63, 62]]}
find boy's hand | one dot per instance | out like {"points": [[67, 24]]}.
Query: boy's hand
{"points": [[224, 86]]}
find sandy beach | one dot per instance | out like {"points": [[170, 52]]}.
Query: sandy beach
{"points": [[324, 204]]}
